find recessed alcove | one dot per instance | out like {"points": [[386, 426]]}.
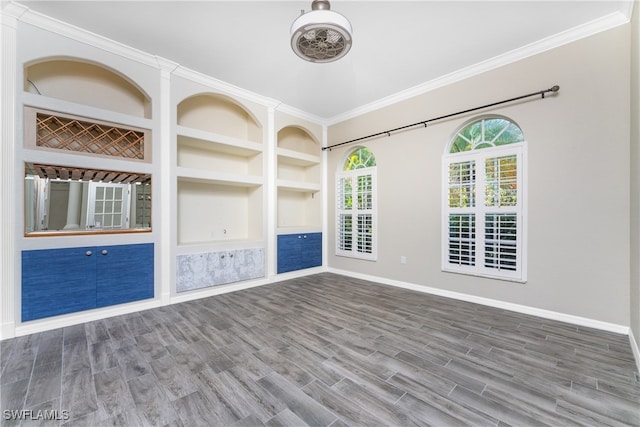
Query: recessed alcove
{"points": [[220, 171], [299, 175], [298, 139], [220, 115], [86, 83]]}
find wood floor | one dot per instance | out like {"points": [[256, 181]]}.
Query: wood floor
{"points": [[324, 350]]}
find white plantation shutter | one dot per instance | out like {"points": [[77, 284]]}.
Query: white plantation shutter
{"points": [[462, 239], [501, 241], [365, 234], [483, 227], [356, 213], [462, 182], [345, 216], [461, 202], [345, 232]]}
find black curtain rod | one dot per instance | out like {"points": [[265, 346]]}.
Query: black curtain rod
{"points": [[424, 122]]}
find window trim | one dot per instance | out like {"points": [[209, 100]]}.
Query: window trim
{"points": [[480, 210]]}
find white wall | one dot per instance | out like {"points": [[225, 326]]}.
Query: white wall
{"points": [[578, 181]]}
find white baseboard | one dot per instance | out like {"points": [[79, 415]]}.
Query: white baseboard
{"points": [[546, 314], [238, 286], [635, 349], [63, 321], [7, 330], [217, 290], [12, 330]]}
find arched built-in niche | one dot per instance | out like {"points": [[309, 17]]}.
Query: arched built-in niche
{"points": [[299, 177], [219, 114], [88, 84], [298, 139], [220, 171]]}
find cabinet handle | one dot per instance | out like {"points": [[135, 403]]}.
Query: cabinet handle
{"points": [[305, 236], [88, 253], [299, 237], [104, 252], [222, 256]]}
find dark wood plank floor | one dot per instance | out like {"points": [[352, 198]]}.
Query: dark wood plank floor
{"points": [[324, 350]]}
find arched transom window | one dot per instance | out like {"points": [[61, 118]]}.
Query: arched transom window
{"points": [[483, 200], [359, 159], [486, 133], [356, 205]]}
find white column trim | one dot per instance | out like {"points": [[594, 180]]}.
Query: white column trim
{"points": [[271, 192], [324, 188], [8, 209], [165, 256]]}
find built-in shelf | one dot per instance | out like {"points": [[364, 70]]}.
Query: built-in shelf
{"points": [[296, 158], [213, 212], [87, 152], [297, 186], [53, 131], [221, 178], [299, 179], [74, 108], [220, 142], [220, 175]]}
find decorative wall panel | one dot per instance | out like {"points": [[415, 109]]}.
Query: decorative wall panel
{"points": [[201, 270]]}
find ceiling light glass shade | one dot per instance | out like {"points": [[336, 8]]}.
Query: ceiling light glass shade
{"points": [[321, 36]]}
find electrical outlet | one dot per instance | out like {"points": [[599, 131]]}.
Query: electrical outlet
{"points": [[403, 259]]}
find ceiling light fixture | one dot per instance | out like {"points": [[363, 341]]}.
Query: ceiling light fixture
{"points": [[321, 35]]}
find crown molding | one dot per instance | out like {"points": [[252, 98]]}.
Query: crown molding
{"points": [[12, 10], [296, 112], [627, 9], [92, 39], [24, 14], [590, 28], [28, 16], [166, 64], [224, 87]]}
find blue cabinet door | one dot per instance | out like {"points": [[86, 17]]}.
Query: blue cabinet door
{"points": [[312, 250], [124, 273], [289, 252], [58, 281], [299, 251], [61, 281]]}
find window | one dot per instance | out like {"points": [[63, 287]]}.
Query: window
{"points": [[483, 228], [356, 207]]}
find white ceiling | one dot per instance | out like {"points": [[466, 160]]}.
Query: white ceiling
{"points": [[397, 45]]}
